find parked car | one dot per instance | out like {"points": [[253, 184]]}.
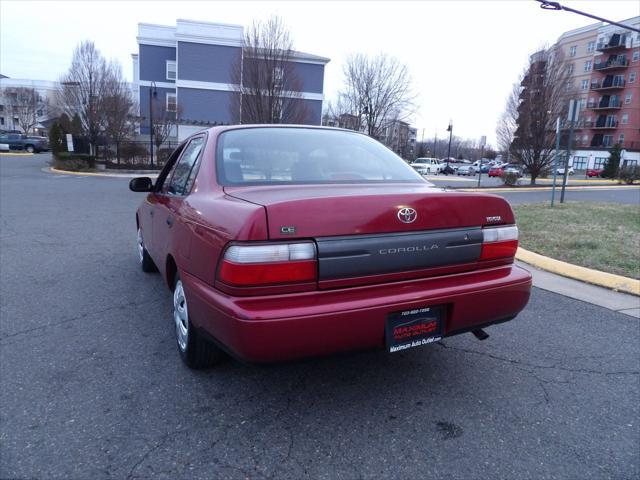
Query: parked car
{"points": [[18, 141], [511, 168], [427, 166], [495, 171], [485, 168], [594, 172], [560, 171], [466, 170], [262, 265]]}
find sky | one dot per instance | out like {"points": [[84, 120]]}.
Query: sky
{"points": [[463, 56]]}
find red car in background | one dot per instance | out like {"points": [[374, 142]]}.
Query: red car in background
{"points": [[594, 172], [496, 171], [281, 242]]}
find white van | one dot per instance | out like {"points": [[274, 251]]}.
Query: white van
{"points": [[426, 166]]}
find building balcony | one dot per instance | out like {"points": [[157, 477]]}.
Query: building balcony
{"points": [[606, 125], [614, 42], [610, 105], [610, 65], [597, 86]]}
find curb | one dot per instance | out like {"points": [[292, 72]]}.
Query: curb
{"points": [[583, 274], [548, 189], [94, 174], [14, 154]]}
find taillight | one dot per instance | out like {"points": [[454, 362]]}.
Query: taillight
{"points": [[259, 265], [499, 242]]}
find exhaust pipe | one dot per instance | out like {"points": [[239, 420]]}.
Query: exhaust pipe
{"points": [[480, 334]]}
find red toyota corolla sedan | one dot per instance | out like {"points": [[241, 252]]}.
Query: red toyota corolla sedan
{"points": [[281, 242]]}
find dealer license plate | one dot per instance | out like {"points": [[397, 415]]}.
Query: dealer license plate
{"points": [[412, 328]]}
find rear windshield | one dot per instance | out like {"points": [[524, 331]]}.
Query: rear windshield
{"points": [[275, 155]]}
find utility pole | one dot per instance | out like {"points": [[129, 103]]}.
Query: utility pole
{"points": [[450, 130], [483, 141], [573, 115], [435, 144], [555, 160]]}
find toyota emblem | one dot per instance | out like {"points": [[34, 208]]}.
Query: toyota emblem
{"points": [[407, 215]]}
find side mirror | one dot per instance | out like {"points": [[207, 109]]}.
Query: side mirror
{"points": [[141, 184]]}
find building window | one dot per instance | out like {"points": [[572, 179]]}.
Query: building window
{"points": [[591, 46], [587, 65], [580, 163], [172, 102], [572, 51], [16, 120], [627, 98], [570, 69], [171, 70], [600, 162], [632, 78], [625, 118], [1, 108], [585, 85], [621, 138], [1, 120], [607, 140], [636, 56]]}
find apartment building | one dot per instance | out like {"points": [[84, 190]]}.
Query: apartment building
{"points": [[603, 63], [190, 67], [46, 91]]}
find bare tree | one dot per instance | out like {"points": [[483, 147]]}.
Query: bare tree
{"points": [[84, 88], [165, 121], [117, 108], [532, 109], [26, 105], [377, 91], [268, 88]]}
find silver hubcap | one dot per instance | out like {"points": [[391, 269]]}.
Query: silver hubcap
{"points": [[140, 246], [181, 316]]}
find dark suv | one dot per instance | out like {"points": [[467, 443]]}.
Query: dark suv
{"points": [[18, 141]]}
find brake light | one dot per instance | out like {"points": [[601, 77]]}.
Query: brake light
{"points": [[499, 242], [259, 265]]}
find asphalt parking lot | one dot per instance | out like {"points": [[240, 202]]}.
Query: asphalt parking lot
{"points": [[91, 384]]}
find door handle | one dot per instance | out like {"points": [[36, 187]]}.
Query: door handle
{"points": [[170, 220]]}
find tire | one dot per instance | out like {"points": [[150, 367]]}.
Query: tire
{"points": [[195, 351], [29, 148], [146, 263]]}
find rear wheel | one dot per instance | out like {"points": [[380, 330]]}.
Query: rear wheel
{"points": [[30, 148], [144, 258], [194, 350]]}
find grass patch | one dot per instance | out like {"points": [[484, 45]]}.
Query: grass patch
{"points": [[602, 236]]}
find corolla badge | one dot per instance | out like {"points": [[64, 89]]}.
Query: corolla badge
{"points": [[407, 215]]}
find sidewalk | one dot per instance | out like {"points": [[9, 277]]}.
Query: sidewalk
{"points": [[603, 297]]}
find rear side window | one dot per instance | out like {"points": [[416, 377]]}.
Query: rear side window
{"points": [[291, 155], [181, 180]]}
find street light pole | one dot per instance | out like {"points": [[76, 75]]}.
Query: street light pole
{"points": [[152, 94]]}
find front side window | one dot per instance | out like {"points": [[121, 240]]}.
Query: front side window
{"points": [[287, 155], [185, 166]]}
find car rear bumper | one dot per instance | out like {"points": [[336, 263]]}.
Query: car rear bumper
{"points": [[281, 327]]}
